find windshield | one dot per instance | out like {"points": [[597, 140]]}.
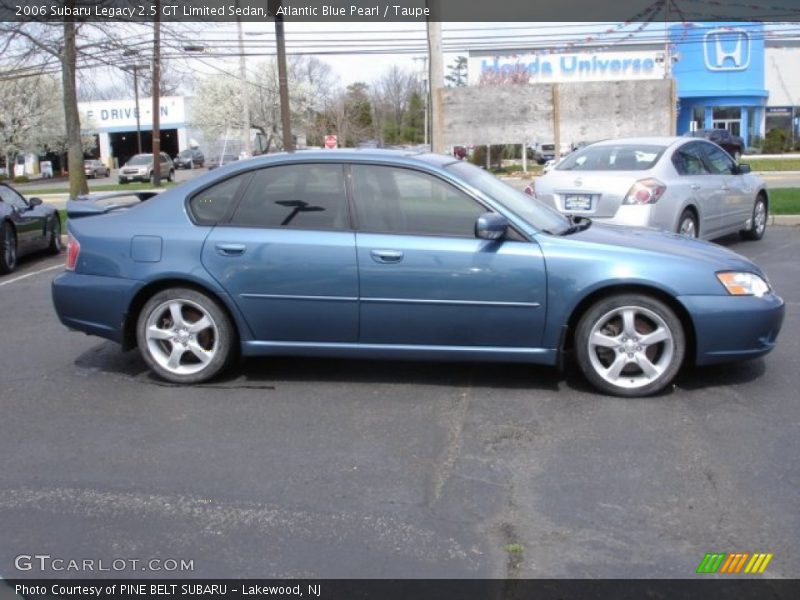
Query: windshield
{"points": [[612, 157], [185, 154], [141, 159], [529, 209]]}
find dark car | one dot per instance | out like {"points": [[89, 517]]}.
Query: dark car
{"points": [[189, 159], [25, 226], [379, 254], [732, 144]]}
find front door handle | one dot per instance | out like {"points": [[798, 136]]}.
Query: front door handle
{"points": [[695, 186], [386, 256], [230, 249]]}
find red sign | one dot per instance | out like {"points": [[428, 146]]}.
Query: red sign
{"points": [[331, 141]]}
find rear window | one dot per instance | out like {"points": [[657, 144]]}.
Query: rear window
{"points": [[141, 159], [616, 157], [212, 204]]}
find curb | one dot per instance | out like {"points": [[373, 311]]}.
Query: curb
{"points": [[784, 220]]}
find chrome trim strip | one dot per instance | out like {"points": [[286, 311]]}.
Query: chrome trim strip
{"points": [[448, 302], [294, 297]]}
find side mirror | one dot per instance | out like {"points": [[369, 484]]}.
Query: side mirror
{"points": [[491, 226], [34, 202], [743, 169]]}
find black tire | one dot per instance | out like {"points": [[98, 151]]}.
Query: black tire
{"points": [[219, 345], [758, 222], [152, 178], [54, 247], [171, 176], [687, 224], [8, 248], [123, 181], [615, 369]]}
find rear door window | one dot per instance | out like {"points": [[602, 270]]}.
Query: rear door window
{"points": [[307, 196]]}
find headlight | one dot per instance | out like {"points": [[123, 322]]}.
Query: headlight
{"points": [[743, 283]]}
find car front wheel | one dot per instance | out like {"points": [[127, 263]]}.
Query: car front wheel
{"points": [[758, 222], [54, 247], [8, 248], [630, 345], [185, 336]]}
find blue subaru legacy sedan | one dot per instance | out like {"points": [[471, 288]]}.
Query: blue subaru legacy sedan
{"points": [[378, 254]]}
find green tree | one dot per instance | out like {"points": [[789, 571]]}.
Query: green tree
{"points": [[414, 130], [457, 76]]}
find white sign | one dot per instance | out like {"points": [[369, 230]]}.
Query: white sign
{"points": [[551, 68], [116, 114]]}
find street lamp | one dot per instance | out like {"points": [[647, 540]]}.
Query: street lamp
{"points": [[135, 69]]}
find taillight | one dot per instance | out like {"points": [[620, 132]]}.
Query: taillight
{"points": [[73, 249], [645, 191]]}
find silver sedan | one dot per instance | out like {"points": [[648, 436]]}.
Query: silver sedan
{"points": [[690, 186]]}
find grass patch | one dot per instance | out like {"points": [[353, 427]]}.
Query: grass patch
{"points": [[107, 187], [784, 201], [776, 164], [514, 548]]}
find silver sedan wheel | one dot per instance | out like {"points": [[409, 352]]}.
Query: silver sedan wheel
{"points": [[630, 347], [688, 227], [760, 217], [181, 336]]}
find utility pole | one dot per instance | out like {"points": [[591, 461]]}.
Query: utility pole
{"points": [[286, 121], [248, 148], [138, 122], [157, 95], [435, 83]]}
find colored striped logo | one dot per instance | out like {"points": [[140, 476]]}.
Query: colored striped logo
{"points": [[721, 562]]}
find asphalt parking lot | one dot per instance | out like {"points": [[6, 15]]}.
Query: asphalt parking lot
{"points": [[333, 468]]}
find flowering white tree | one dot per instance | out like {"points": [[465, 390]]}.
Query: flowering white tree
{"points": [[217, 107], [32, 117]]}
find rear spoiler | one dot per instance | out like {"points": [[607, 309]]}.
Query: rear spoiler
{"points": [[98, 204]]}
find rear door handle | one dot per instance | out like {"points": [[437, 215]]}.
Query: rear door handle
{"points": [[695, 186], [386, 256], [230, 249]]}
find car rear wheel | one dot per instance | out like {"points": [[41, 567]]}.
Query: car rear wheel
{"points": [[54, 247], [758, 222], [8, 248], [184, 336], [630, 345], [687, 224]]}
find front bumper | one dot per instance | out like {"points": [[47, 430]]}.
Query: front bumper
{"points": [[730, 328]]}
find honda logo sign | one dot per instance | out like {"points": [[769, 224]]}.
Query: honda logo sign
{"points": [[727, 49]]}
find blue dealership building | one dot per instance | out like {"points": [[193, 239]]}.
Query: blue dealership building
{"points": [[743, 77]]}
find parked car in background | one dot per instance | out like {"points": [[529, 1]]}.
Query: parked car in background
{"points": [[542, 153], [189, 159], [25, 226], [690, 186], [95, 168], [379, 254], [732, 144], [220, 160], [140, 168]]}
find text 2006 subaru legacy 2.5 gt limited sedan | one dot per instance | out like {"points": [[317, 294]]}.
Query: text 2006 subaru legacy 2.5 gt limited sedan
{"points": [[375, 254]]}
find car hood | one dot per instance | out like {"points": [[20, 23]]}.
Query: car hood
{"points": [[664, 244]]}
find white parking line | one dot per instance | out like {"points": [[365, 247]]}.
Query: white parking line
{"points": [[21, 277]]}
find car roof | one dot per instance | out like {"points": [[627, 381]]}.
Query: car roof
{"points": [[665, 141], [359, 155]]}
